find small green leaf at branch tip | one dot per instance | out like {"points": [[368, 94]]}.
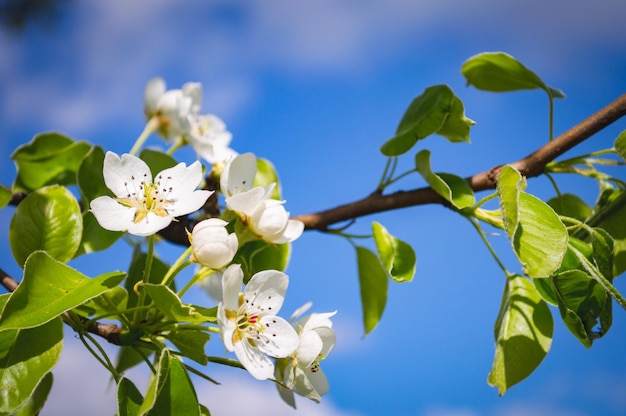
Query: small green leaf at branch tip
{"points": [[452, 188], [620, 145], [398, 258], [48, 289], [523, 334], [373, 283], [500, 72], [48, 219]]}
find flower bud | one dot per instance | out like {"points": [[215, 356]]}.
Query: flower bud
{"points": [[212, 245]]}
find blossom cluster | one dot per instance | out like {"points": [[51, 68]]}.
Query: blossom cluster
{"points": [[247, 316]]}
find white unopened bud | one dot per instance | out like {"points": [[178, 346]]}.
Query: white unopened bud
{"points": [[212, 245]]}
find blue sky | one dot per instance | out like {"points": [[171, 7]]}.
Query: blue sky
{"points": [[317, 87]]}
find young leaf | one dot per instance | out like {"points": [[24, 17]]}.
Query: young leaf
{"points": [[508, 188], [456, 127], [265, 175], [373, 282], [48, 289], [570, 205], [523, 334], [170, 304], [129, 398], [170, 391], [398, 257], [620, 145], [581, 303], [48, 219], [50, 158], [5, 196], [500, 72], [25, 360], [425, 116], [452, 188]]}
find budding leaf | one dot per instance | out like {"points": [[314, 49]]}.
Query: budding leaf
{"points": [[373, 283], [48, 219], [452, 188], [523, 333], [500, 72], [620, 145], [171, 306], [397, 257]]}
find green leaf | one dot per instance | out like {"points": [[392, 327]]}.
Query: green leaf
{"points": [[50, 158], [452, 188], [32, 353], [94, 237], [426, 114], [456, 127], [398, 257], [523, 334], [373, 283], [5, 196], [582, 301], [129, 398], [170, 392], [157, 161], [48, 219], [48, 289], [610, 216], [265, 175], [538, 236], [500, 72], [170, 304], [109, 302], [35, 402], [255, 256], [191, 344], [620, 145], [90, 176], [570, 205]]}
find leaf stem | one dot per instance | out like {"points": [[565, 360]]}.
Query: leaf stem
{"points": [[151, 126], [489, 247]]}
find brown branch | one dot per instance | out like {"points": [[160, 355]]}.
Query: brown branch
{"points": [[530, 166]]}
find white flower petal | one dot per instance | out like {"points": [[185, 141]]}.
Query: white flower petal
{"points": [[155, 88], [328, 339], [193, 90], [124, 176], [182, 179], [212, 245], [238, 174], [304, 387], [232, 280], [111, 215], [315, 320], [246, 202], [257, 363], [278, 338], [227, 327], [212, 284], [298, 312], [310, 347], [318, 381], [150, 225], [265, 292]]}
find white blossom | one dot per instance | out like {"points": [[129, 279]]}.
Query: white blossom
{"points": [[142, 206], [209, 138], [211, 243], [248, 323]]}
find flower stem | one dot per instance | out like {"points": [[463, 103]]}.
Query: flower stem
{"points": [[151, 126], [176, 268], [489, 247]]}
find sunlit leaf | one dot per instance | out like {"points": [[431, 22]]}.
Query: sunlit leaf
{"points": [[456, 128], [129, 398], [35, 402], [191, 344], [508, 186], [397, 257], [620, 145], [523, 334], [48, 289], [170, 391], [570, 205], [48, 219], [170, 304], [500, 72], [50, 158], [5, 196], [452, 188], [30, 355], [373, 283]]}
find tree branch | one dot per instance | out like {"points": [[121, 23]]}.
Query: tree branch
{"points": [[530, 166]]}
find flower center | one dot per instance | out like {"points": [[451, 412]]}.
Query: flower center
{"points": [[148, 197]]}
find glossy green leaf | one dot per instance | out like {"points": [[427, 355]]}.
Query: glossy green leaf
{"points": [[500, 72], [48, 289], [538, 236], [191, 344], [255, 256], [265, 175], [32, 354], [373, 283], [582, 301], [50, 158], [398, 257], [456, 127], [109, 302], [90, 178], [620, 145], [129, 398], [610, 217], [452, 188], [570, 205], [425, 116], [170, 304], [48, 219], [170, 392], [5, 196], [156, 160], [523, 333], [35, 402], [94, 237]]}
